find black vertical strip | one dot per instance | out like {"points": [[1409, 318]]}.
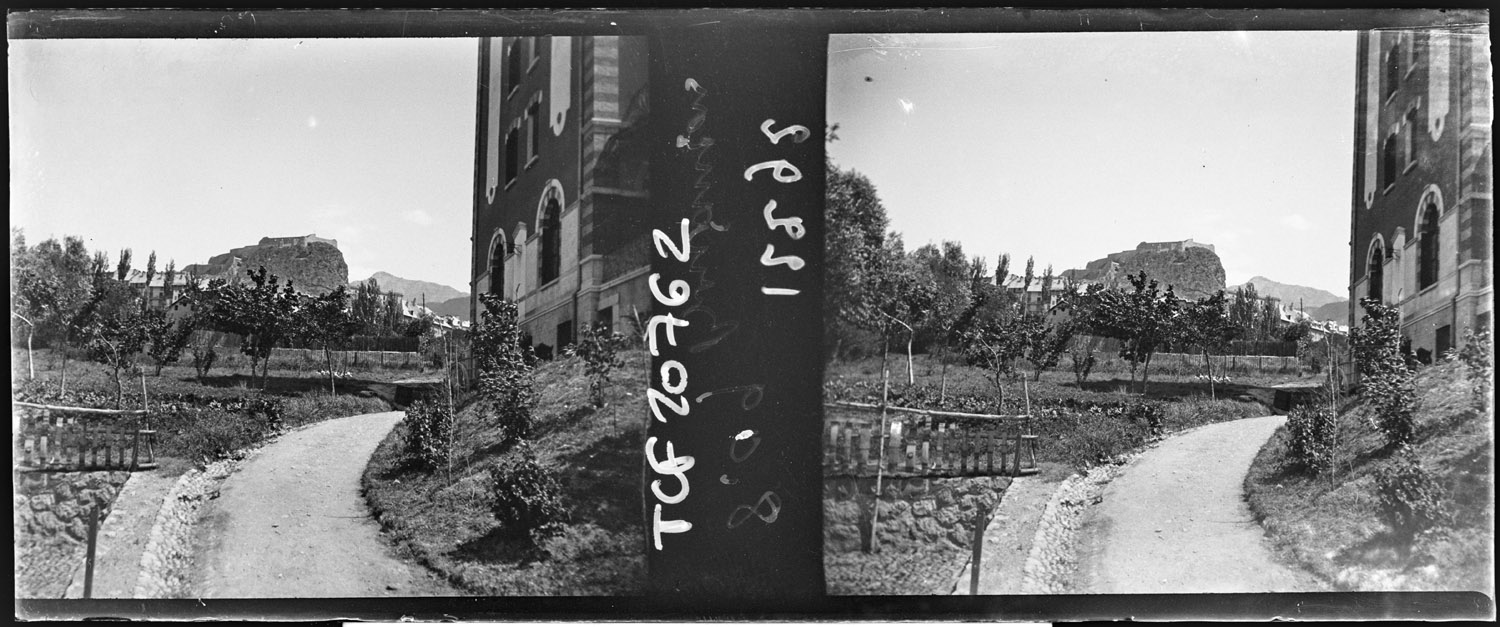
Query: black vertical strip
{"points": [[751, 349]]}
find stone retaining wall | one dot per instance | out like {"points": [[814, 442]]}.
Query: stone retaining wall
{"points": [[51, 525], [914, 512]]}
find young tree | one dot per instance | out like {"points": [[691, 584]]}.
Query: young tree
{"points": [[168, 337], [146, 287], [1206, 324], [995, 344], [115, 330], [1384, 371], [1030, 274], [952, 275], [1002, 269], [1044, 342], [326, 322], [599, 348]]}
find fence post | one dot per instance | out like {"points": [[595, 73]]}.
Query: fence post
{"points": [[88, 564], [978, 554]]}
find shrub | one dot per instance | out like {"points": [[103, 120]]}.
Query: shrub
{"points": [[1411, 499], [1149, 415], [1312, 431], [1098, 439], [1380, 353], [527, 500], [1478, 357], [599, 348], [428, 431], [504, 365], [212, 434]]}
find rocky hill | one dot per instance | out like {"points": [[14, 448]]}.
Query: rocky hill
{"points": [[1309, 298], [314, 268], [452, 307], [1193, 272], [411, 289]]}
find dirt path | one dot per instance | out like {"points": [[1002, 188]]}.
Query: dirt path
{"points": [[292, 522], [1008, 538], [1177, 521]]}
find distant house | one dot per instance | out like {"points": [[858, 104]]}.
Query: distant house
{"points": [[1033, 299]]}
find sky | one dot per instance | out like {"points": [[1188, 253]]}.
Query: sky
{"points": [[1070, 146], [191, 147]]}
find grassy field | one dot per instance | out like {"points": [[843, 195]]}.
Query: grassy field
{"points": [[445, 520], [1332, 525]]}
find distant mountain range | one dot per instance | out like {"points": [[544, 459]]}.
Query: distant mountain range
{"points": [[441, 299], [1321, 304]]}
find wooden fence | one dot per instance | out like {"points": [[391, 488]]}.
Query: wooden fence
{"points": [[925, 443], [82, 438]]}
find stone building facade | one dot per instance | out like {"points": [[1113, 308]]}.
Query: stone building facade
{"points": [[1422, 215], [560, 182]]}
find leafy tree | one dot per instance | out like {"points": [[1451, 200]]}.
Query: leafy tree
{"points": [[952, 276], [855, 240], [262, 313], [146, 287], [168, 276], [505, 377], [326, 322], [995, 344], [1002, 269], [1143, 320], [122, 271], [50, 284], [168, 337], [1206, 324], [1030, 274], [904, 297], [1044, 342], [115, 330]]}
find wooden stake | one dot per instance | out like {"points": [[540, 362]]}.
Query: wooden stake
{"points": [[88, 564]]}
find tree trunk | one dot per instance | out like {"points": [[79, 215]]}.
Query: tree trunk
{"points": [[30, 366], [63, 385], [328, 356], [943, 387], [119, 389], [911, 377], [1207, 363], [1145, 374]]}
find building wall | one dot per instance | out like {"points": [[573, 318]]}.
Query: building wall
{"points": [[1435, 105], [584, 89]]}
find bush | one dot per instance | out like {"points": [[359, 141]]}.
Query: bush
{"points": [[1411, 499], [1313, 433], [1380, 354], [1478, 357], [1098, 439], [428, 430], [213, 434], [505, 365], [599, 348], [527, 500]]}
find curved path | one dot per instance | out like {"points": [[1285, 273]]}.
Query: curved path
{"points": [[292, 522], [1177, 520]]}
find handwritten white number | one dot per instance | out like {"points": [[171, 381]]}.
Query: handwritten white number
{"points": [[789, 260], [781, 167], [655, 399], [793, 226], [672, 323], [663, 240], [779, 291], [666, 376], [798, 131], [677, 291]]}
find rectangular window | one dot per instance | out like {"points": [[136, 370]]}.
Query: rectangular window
{"points": [[564, 335], [606, 319], [533, 130], [512, 154], [1408, 148]]}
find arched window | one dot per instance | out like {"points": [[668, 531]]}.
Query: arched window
{"points": [[1389, 161], [551, 232], [513, 65], [1393, 67], [1427, 247], [1375, 272], [497, 264]]}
